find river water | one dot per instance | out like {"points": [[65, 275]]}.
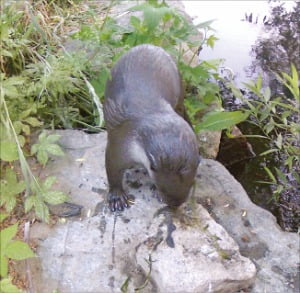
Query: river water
{"points": [[236, 36]]}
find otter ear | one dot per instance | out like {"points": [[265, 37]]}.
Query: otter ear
{"points": [[153, 165]]}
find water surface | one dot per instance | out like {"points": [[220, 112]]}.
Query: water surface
{"points": [[236, 36]]}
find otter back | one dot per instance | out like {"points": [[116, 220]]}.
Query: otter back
{"points": [[144, 80]]}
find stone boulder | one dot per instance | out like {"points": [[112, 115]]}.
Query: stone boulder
{"points": [[146, 247], [274, 252]]}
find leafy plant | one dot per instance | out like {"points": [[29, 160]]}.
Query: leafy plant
{"points": [[3, 216], [279, 181], [39, 82], [10, 188], [21, 114], [41, 194], [11, 249], [50, 80], [36, 193], [164, 26], [46, 145], [277, 118], [6, 286]]}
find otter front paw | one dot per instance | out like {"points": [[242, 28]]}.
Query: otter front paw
{"points": [[118, 200]]}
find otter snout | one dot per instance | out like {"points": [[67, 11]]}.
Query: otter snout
{"points": [[175, 188]]}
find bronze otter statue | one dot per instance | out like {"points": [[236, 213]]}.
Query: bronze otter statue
{"points": [[140, 104]]}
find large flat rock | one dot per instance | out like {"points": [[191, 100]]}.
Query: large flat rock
{"points": [[147, 247], [153, 249]]}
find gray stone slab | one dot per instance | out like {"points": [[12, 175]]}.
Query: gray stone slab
{"points": [[102, 252], [275, 253]]}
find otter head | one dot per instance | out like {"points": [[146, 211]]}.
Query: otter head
{"points": [[174, 184], [173, 188]]}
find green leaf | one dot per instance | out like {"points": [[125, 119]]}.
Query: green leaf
{"points": [[263, 115], [34, 148], [25, 114], [267, 94], [53, 138], [49, 182], [18, 250], [3, 216], [3, 266], [253, 87], [296, 176], [281, 176], [55, 197], [295, 128], [268, 152], [269, 127], [135, 21], [29, 203], [7, 235], [289, 162], [41, 210], [278, 190], [42, 136], [6, 286], [33, 122], [54, 149], [211, 41], [259, 83], [270, 174], [286, 106], [222, 120], [35, 186], [9, 202], [8, 151], [26, 129], [255, 136], [18, 126], [21, 140], [152, 15], [10, 186], [278, 141], [291, 82], [100, 82], [6, 53], [14, 80], [42, 157], [236, 91]]}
